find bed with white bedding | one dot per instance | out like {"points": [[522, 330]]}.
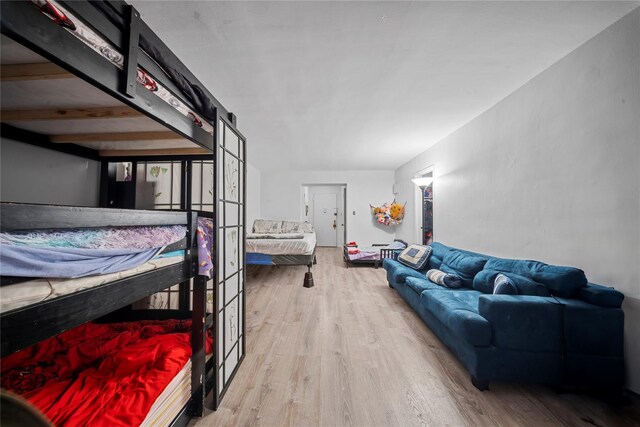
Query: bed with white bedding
{"points": [[282, 243]]}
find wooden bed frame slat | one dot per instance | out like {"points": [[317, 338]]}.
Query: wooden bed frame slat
{"points": [[115, 137], [40, 71], [117, 112]]}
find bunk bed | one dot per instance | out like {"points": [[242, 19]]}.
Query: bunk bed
{"points": [[91, 79]]}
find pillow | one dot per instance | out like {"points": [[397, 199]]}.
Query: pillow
{"points": [[464, 265], [291, 226], [415, 256], [396, 245], [266, 226], [443, 279], [504, 286]]}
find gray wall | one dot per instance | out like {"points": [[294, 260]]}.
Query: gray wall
{"points": [[31, 174], [552, 172]]}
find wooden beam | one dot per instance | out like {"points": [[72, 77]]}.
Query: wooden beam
{"points": [[157, 152], [119, 112], [114, 137], [38, 71]]}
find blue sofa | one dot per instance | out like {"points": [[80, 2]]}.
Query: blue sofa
{"points": [[566, 332]]}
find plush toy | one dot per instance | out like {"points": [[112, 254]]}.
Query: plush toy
{"points": [[389, 213], [396, 211]]}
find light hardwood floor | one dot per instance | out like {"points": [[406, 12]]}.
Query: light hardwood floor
{"points": [[351, 352]]}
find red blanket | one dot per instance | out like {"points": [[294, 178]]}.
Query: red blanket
{"points": [[100, 374]]}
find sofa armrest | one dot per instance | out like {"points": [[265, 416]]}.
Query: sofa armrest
{"points": [[601, 296], [397, 273], [522, 322]]}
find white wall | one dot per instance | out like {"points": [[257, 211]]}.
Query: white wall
{"points": [[282, 199], [254, 189], [552, 172], [31, 174]]}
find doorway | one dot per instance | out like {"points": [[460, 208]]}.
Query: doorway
{"points": [[324, 206]]}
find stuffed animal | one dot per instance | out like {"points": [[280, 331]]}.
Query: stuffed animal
{"points": [[396, 211], [389, 213]]}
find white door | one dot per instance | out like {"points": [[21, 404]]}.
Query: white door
{"points": [[325, 219]]}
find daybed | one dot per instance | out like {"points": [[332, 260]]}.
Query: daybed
{"points": [[282, 243], [370, 255], [566, 331]]}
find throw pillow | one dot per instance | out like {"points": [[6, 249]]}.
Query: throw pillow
{"points": [[266, 226], [396, 245], [291, 227], [415, 256], [504, 286], [443, 279]]}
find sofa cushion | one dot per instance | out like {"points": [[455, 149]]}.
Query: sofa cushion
{"points": [[561, 281], [484, 281], [443, 279], [527, 286], [463, 265], [601, 296], [397, 273], [458, 310], [438, 251], [415, 256], [419, 285]]}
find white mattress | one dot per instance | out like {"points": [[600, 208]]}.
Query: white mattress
{"points": [[37, 290], [304, 246], [171, 401]]}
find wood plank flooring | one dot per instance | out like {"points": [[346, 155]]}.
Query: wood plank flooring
{"points": [[351, 352]]}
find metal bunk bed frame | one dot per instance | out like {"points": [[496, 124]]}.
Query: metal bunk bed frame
{"points": [[25, 24]]}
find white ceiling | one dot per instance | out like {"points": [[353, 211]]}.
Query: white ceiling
{"points": [[366, 85]]}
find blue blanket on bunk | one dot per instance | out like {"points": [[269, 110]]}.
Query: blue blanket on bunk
{"points": [[26, 261]]}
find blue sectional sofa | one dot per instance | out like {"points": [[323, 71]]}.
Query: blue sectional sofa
{"points": [[566, 332]]}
